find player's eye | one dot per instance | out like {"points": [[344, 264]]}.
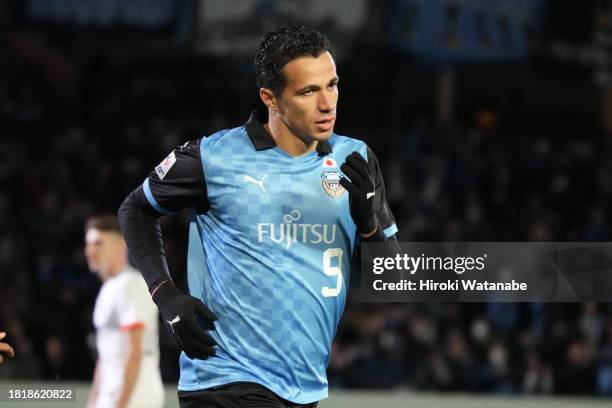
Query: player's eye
{"points": [[307, 92]]}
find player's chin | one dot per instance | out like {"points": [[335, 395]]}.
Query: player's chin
{"points": [[322, 135]]}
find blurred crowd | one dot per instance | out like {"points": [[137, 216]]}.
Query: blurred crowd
{"points": [[78, 135], [502, 348]]}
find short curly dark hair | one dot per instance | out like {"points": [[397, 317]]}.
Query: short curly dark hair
{"points": [[282, 45]]}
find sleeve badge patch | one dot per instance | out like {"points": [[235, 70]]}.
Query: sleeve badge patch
{"points": [[166, 164]]}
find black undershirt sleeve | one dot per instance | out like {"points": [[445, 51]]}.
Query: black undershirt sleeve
{"points": [[143, 236], [176, 183]]}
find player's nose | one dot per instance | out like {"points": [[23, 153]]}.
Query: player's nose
{"points": [[327, 101], [90, 252]]}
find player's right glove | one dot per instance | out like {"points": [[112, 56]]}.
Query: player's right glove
{"points": [[361, 191], [184, 317]]}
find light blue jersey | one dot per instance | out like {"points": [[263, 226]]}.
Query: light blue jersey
{"points": [[270, 257]]}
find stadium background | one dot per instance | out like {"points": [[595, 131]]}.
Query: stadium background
{"points": [[491, 120]]}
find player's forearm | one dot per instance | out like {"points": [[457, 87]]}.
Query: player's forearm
{"points": [[391, 247], [130, 376], [93, 395], [143, 236], [370, 234], [377, 235]]}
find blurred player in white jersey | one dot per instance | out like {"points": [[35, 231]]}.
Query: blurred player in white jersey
{"points": [[127, 370]]}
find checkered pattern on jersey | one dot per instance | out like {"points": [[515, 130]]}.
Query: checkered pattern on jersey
{"points": [[275, 325]]}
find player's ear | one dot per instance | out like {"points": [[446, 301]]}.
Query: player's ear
{"points": [[268, 98]]}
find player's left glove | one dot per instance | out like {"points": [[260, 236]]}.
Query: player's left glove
{"points": [[361, 191]]}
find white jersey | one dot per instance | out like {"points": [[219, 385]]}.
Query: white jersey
{"points": [[122, 304]]}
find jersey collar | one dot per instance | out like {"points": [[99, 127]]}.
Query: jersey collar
{"points": [[262, 140]]}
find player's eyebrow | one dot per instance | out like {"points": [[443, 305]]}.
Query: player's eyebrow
{"points": [[308, 88], [313, 87]]}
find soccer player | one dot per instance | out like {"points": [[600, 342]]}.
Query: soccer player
{"points": [[5, 348], [280, 204], [126, 321]]}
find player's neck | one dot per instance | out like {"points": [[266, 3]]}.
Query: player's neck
{"points": [[287, 140]]}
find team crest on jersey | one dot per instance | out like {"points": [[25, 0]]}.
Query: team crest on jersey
{"points": [[166, 164], [331, 183]]}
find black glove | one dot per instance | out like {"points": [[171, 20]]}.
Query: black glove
{"points": [[184, 317], [361, 192]]}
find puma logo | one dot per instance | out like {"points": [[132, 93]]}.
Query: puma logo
{"points": [[173, 321], [370, 195], [249, 179]]}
